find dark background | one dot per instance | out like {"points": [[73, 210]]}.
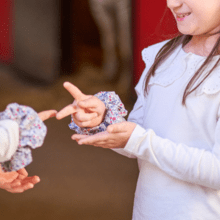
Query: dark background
{"points": [[54, 42]]}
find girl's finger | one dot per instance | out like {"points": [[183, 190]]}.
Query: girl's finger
{"points": [[44, 115], [15, 183], [35, 180], [22, 188], [83, 124], [23, 172], [68, 110], [32, 179], [91, 102], [102, 136], [74, 91], [15, 190], [78, 136], [84, 117]]}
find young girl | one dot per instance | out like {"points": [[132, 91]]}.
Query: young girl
{"points": [[20, 128], [174, 127]]}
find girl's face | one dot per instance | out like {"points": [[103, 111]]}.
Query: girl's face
{"points": [[196, 17]]}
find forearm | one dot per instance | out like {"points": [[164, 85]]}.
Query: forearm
{"points": [[123, 152], [186, 163]]}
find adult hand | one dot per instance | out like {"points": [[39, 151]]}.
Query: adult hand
{"points": [[17, 182], [86, 110], [44, 115], [116, 136]]}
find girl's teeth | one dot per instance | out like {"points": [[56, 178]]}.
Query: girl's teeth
{"points": [[183, 15]]}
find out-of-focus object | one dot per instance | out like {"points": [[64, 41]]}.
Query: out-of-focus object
{"points": [[153, 22], [114, 23], [37, 44], [6, 40]]}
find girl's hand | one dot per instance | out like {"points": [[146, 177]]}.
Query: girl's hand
{"points": [[17, 182], [86, 110], [116, 136], [44, 115]]}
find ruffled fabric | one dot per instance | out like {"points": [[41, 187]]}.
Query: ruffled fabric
{"points": [[165, 76], [115, 114], [32, 132], [211, 85]]}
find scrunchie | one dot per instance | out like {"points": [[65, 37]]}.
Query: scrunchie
{"points": [[115, 113], [32, 132]]}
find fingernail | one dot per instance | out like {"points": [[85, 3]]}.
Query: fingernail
{"points": [[30, 186]]}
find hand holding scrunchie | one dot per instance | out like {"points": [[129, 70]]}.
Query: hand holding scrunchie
{"points": [[115, 113], [92, 114], [32, 132]]}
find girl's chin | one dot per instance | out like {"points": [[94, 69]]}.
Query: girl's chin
{"points": [[186, 31]]}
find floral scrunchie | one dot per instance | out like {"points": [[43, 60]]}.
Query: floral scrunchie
{"points": [[115, 113], [32, 132]]}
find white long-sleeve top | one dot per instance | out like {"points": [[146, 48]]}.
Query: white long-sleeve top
{"points": [[177, 147], [9, 139]]}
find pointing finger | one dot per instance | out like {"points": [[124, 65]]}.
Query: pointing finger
{"points": [[68, 110], [74, 91], [44, 115], [91, 102]]}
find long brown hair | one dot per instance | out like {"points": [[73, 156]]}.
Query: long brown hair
{"points": [[167, 50]]}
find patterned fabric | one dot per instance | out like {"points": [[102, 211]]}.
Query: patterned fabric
{"points": [[32, 132], [115, 114]]}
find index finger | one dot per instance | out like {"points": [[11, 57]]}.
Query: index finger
{"points": [[68, 110], [44, 115], [74, 91]]}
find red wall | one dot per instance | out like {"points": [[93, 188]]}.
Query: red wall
{"points": [[148, 30], [6, 38]]}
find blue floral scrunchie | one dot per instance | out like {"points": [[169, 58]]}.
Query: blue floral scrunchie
{"points": [[32, 132], [115, 113]]}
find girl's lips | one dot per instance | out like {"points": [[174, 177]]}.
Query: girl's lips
{"points": [[182, 16]]}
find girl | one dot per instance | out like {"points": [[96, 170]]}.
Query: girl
{"points": [[20, 126], [174, 127]]}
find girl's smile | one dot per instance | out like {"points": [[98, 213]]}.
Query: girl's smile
{"points": [[200, 16], [182, 16]]}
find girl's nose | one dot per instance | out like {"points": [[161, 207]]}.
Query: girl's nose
{"points": [[174, 3]]}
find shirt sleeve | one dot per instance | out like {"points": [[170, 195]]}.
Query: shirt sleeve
{"points": [[135, 116], [183, 162], [9, 139]]}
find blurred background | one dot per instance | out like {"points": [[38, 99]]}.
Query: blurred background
{"points": [[95, 45]]}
